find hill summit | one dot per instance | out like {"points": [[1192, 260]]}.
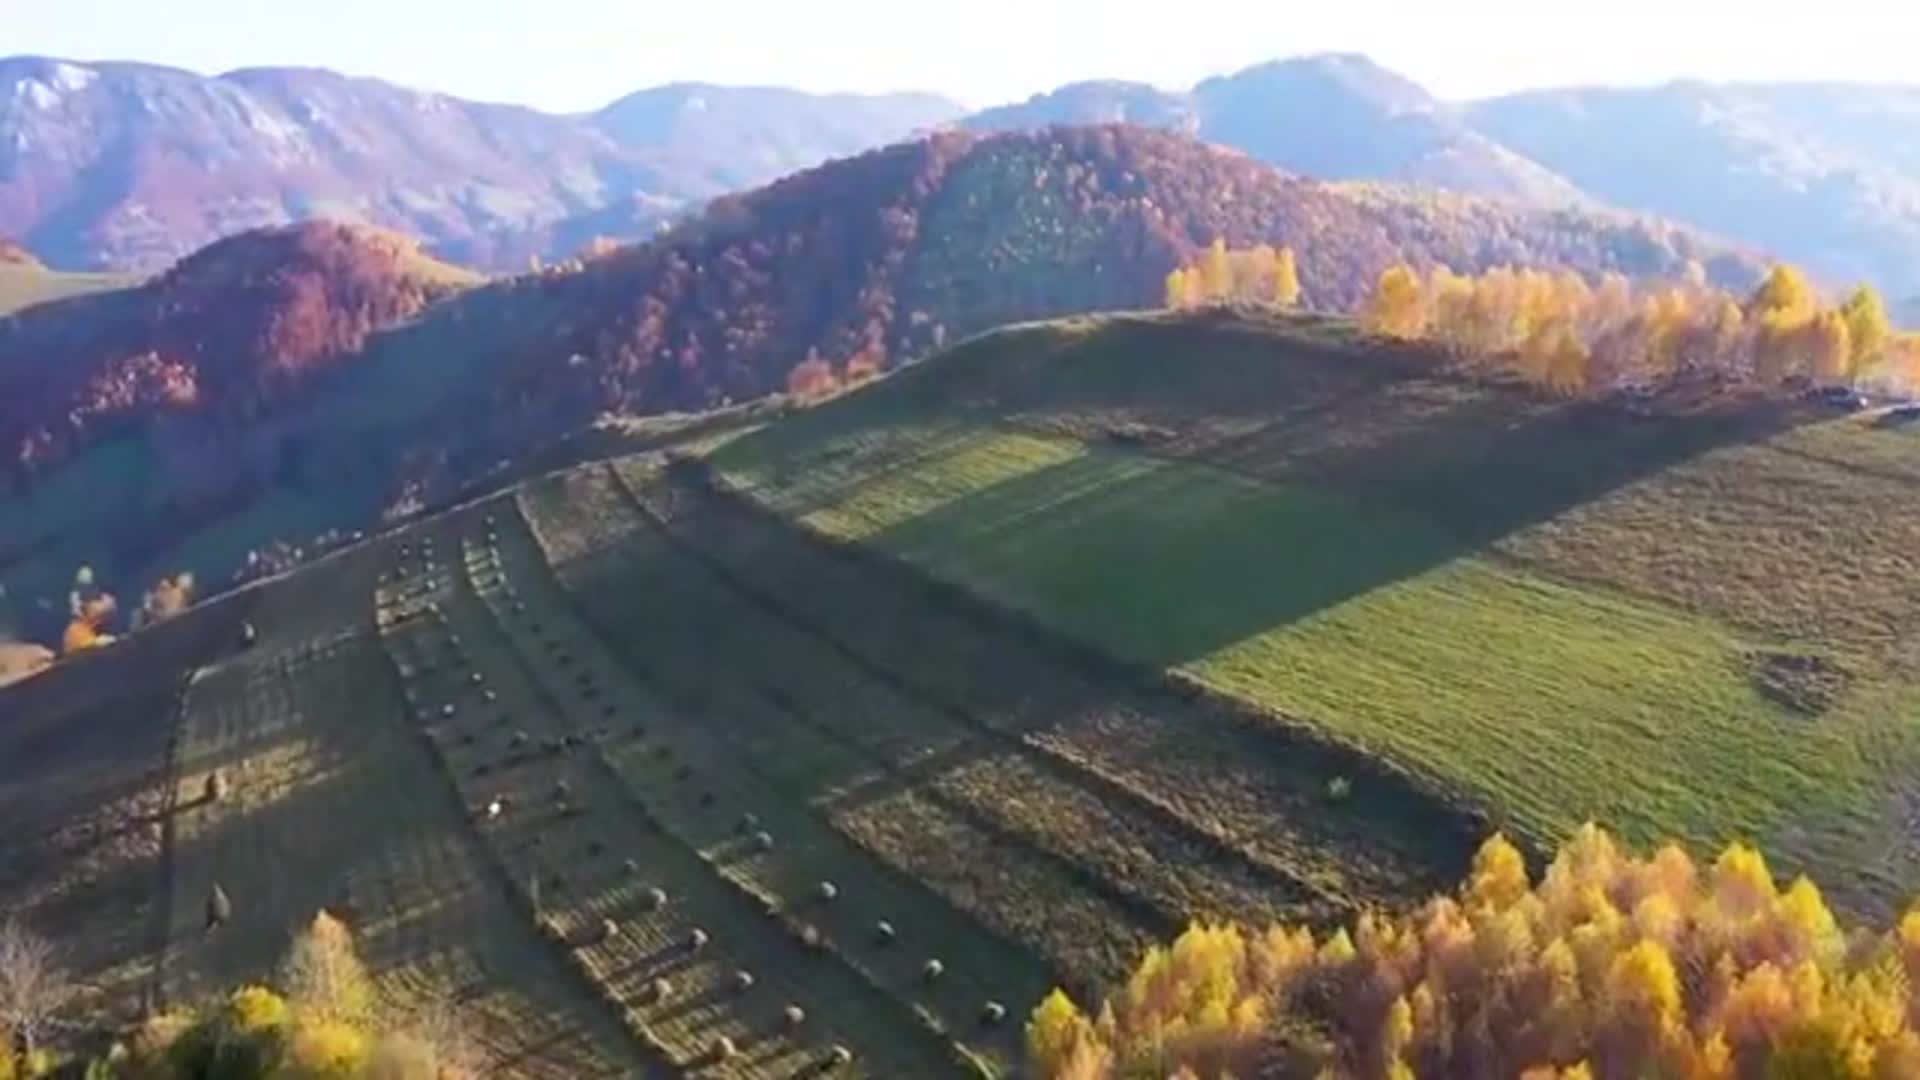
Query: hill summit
{"points": [[223, 337]]}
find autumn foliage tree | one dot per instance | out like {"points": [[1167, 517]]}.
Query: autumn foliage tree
{"points": [[324, 1020], [1609, 966], [1570, 335], [1258, 275]]}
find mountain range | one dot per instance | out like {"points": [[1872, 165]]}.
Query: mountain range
{"points": [[130, 166]]}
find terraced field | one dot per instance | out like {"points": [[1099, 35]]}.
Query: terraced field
{"points": [[1700, 623], [604, 801], [1108, 807]]}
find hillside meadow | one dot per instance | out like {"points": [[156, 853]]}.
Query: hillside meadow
{"points": [[1696, 623]]}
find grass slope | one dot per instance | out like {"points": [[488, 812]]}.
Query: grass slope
{"points": [[1555, 611]]}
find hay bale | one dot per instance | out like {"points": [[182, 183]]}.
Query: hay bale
{"points": [[722, 1049], [630, 867], [763, 841], [794, 1015], [742, 981], [609, 929], [993, 1013], [697, 939], [839, 1057], [476, 678], [932, 970], [883, 932], [656, 897], [660, 990], [827, 891], [447, 710]]}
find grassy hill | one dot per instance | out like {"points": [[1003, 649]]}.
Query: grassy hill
{"points": [[1700, 623], [1015, 661]]}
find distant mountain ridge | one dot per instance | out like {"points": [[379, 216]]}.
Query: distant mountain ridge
{"points": [[1333, 116], [1827, 175], [123, 165]]}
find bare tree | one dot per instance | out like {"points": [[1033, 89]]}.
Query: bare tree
{"points": [[33, 988]]}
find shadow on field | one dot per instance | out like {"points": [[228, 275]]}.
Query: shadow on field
{"points": [[1270, 525]]}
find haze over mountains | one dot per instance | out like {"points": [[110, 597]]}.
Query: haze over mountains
{"points": [[130, 166]]}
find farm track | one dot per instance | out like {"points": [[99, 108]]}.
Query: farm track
{"points": [[595, 858], [1228, 786], [813, 724]]}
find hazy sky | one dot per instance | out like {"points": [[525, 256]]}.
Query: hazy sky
{"points": [[577, 54]]}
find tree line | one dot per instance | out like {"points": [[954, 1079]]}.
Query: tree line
{"points": [[1260, 275], [1571, 336], [1611, 966]]}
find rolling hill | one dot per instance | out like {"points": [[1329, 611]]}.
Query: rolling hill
{"points": [[131, 166], [1013, 661], [177, 441]]}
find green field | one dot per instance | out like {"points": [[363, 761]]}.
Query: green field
{"points": [[1392, 558]]}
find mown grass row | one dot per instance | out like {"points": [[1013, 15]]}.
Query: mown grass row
{"points": [[588, 864], [1172, 870], [778, 859], [687, 640], [321, 805], [1232, 778]]}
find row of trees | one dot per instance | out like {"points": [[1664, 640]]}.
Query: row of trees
{"points": [[1260, 275], [1610, 967], [1571, 336]]}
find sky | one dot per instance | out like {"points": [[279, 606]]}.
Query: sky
{"points": [[570, 55]]}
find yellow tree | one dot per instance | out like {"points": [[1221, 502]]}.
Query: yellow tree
{"points": [[1396, 307], [1830, 346], [1177, 287], [1216, 272], [1784, 300], [1286, 279], [323, 974], [1868, 326], [1254, 271]]}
